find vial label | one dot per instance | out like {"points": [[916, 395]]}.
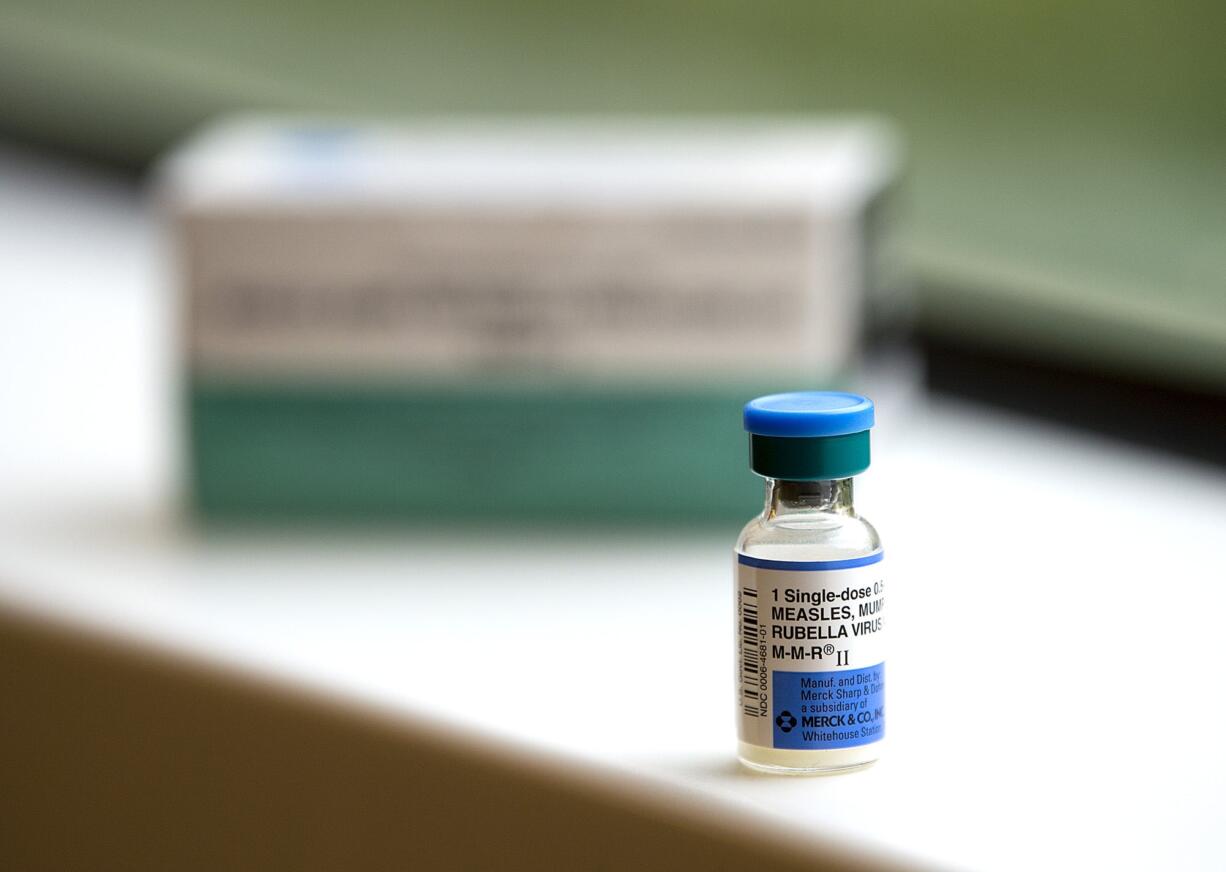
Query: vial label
{"points": [[812, 660]]}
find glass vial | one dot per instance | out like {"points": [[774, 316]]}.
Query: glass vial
{"points": [[810, 681]]}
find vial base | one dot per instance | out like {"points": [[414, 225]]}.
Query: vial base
{"points": [[779, 761]]}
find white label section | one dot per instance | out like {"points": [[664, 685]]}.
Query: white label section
{"points": [[680, 293], [811, 648]]}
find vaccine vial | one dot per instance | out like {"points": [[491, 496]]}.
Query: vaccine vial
{"points": [[809, 592]]}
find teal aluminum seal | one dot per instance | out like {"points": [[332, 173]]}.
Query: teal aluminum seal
{"points": [[809, 458]]}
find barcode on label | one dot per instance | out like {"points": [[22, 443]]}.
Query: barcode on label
{"points": [[751, 664]]}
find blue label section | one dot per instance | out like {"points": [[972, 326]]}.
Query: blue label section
{"points": [[819, 710], [810, 565]]}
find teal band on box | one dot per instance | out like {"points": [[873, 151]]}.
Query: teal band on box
{"points": [[809, 458]]}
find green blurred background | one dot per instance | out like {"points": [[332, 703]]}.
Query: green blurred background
{"points": [[1067, 186]]}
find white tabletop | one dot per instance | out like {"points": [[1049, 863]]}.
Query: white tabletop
{"points": [[1054, 694]]}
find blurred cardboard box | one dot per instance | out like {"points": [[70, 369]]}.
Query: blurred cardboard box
{"points": [[510, 319]]}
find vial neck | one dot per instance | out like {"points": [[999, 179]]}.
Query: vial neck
{"points": [[788, 501]]}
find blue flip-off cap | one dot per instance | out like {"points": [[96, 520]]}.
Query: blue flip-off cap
{"points": [[809, 413], [809, 435]]}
